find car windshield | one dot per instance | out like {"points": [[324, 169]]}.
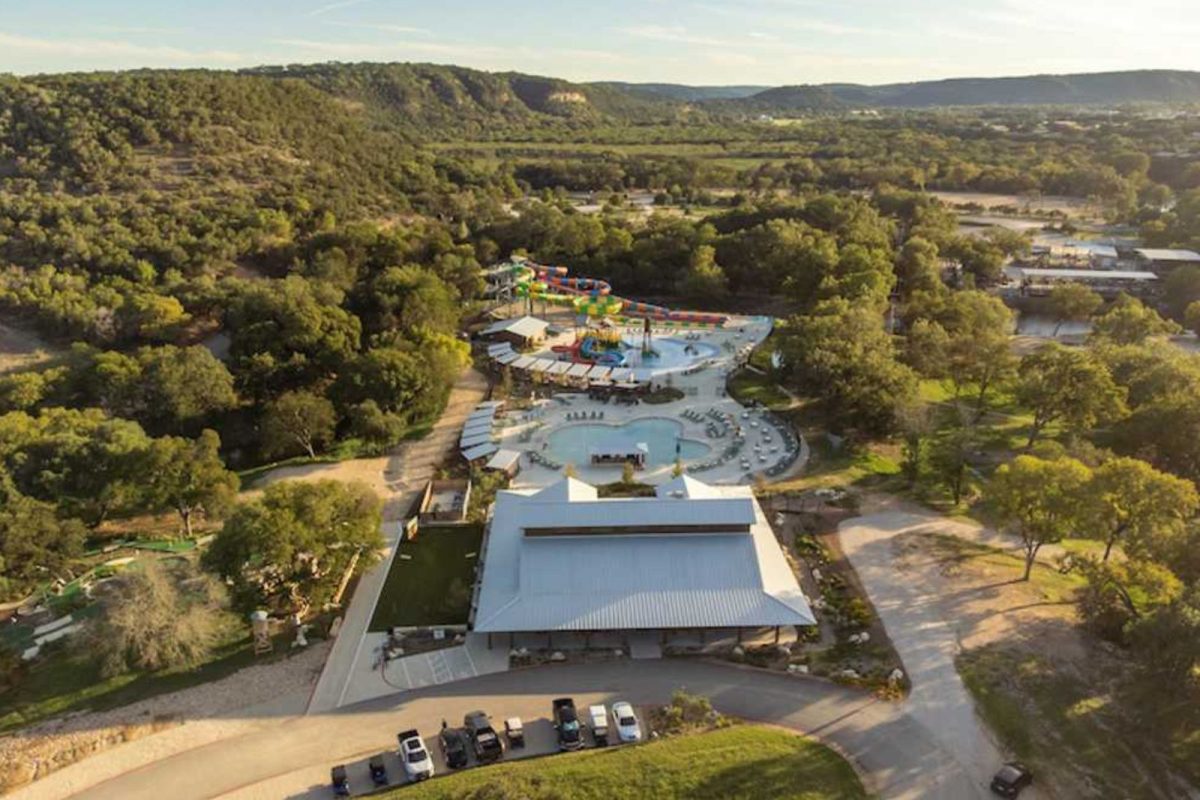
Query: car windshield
{"points": [[415, 756], [570, 726], [486, 736], [627, 722]]}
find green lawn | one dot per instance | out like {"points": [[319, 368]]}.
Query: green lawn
{"points": [[1052, 585], [748, 387], [740, 762], [430, 579]]}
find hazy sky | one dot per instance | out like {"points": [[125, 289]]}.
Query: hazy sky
{"points": [[709, 41]]}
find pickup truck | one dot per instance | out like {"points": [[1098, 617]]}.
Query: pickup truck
{"points": [[453, 745], [566, 723], [418, 765], [483, 737], [598, 720]]}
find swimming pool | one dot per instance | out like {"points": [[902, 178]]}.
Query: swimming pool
{"points": [[571, 445], [671, 354]]}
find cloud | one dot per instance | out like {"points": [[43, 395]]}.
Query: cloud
{"points": [[334, 6], [385, 27], [116, 49]]}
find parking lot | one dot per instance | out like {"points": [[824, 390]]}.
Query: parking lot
{"points": [[540, 740]]}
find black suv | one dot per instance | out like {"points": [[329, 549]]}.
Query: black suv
{"points": [[483, 736], [566, 722], [453, 745], [1011, 779]]}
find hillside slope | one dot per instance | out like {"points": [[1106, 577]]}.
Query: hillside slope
{"points": [[1139, 86]]}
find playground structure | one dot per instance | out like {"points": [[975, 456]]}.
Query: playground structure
{"points": [[595, 346], [593, 297]]}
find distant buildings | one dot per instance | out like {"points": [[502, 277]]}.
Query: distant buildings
{"points": [[520, 331], [1163, 261]]}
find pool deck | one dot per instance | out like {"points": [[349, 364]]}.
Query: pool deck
{"points": [[704, 390]]}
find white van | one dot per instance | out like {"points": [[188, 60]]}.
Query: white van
{"points": [[598, 717]]}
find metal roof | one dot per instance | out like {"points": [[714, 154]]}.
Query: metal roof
{"points": [[1088, 274], [481, 413], [559, 368], [478, 425], [499, 349], [479, 451], [578, 370], [618, 446], [541, 365], [523, 362], [526, 327], [474, 439], [504, 459], [599, 373], [638, 580], [1163, 254], [508, 357]]}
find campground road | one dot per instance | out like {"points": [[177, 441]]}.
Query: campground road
{"points": [[897, 756]]}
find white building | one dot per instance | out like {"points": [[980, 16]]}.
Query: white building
{"points": [[693, 558]]}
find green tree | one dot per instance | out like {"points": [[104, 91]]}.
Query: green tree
{"points": [[964, 337], [154, 619], [917, 425], [919, 266], [841, 354], [1058, 383], [298, 421], [1129, 321], [1127, 500], [950, 457], [1072, 302], [705, 281], [289, 550], [1191, 317], [1039, 500], [188, 477], [36, 546], [1119, 594], [1180, 289]]}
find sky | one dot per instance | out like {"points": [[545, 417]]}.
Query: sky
{"points": [[723, 42]]}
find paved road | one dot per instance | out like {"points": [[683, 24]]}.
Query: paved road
{"points": [[926, 641], [897, 755]]}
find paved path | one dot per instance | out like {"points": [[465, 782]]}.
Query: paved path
{"points": [[897, 755], [406, 473], [926, 641]]}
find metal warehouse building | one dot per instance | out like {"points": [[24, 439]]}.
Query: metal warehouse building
{"points": [[694, 558]]}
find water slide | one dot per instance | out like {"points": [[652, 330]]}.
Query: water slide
{"points": [[594, 297]]}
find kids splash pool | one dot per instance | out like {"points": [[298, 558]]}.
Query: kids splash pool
{"points": [[572, 444], [669, 354]]}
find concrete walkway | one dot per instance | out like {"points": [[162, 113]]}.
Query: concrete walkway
{"points": [[926, 641], [896, 754]]}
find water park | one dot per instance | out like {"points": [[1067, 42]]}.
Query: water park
{"points": [[615, 381]]}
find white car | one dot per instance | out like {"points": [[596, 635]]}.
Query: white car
{"points": [[626, 722], [414, 755]]}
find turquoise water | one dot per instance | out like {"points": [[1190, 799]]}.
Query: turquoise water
{"points": [[672, 353], [571, 445]]}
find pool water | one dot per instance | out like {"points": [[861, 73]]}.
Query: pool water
{"points": [[572, 444], [672, 353]]}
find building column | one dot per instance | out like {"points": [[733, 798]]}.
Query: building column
{"points": [[739, 635], [489, 640], [776, 634], [703, 636]]}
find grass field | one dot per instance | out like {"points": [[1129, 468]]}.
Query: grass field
{"points": [[739, 762], [748, 387], [430, 579]]}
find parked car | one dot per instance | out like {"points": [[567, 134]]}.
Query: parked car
{"points": [[453, 745], [487, 744], [418, 764], [514, 731], [339, 780], [598, 719], [626, 722], [566, 722], [1011, 779], [378, 769]]}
